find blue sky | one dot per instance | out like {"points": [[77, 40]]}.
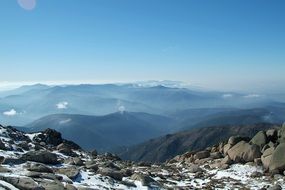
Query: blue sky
{"points": [[217, 44]]}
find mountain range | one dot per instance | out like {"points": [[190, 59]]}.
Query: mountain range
{"points": [[104, 132], [122, 117], [28, 103]]}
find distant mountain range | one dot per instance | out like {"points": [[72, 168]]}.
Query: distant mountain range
{"points": [[104, 132], [111, 117], [120, 130], [28, 103]]}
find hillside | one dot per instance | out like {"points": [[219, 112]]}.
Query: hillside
{"points": [[168, 146], [105, 132], [207, 117]]}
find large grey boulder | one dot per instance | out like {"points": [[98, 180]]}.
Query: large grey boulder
{"points": [[281, 134], [259, 139], [244, 152], [23, 183], [70, 172], [50, 184], [236, 139], [2, 145], [144, 179], [117, 175], [193, 168], [277, 161], [266, 157], [44, 157], [202, 154], [37, 167], [227, 148]]}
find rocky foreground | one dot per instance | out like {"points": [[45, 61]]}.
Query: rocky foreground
{"points": [[46, 161]]}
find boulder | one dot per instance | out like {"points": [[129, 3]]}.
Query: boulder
{"points": [[193, 168], [13, 161], [63, 146], [2, 159], [277, 161], [117, 175], [2, 145], [5, 170], [244, 152], [226, 148], [24, 146], [44, 157], [23, 183], [202, 154], [70, 187], [281, 134], [266, 157], [226, 160], [259, 139], [50, 137], [275, 187], [235, 139], [77, 161], [216, 155], [93, 167], [71, 172], [50, 184], [37, 167], [144, 179], [68, 152]]}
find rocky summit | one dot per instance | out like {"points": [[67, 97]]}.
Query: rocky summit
{"points": [[44, 160]]}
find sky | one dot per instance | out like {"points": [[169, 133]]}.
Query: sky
{"points": [[217, 44]]}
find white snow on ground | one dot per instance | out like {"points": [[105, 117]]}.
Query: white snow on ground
{"points": [[238, 172], [32, 135], [6, 185], [242, 173], [90, 180]]}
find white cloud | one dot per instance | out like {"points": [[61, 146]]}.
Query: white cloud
{"points": [[62, 105], [252, 96], [121, 109], [65, 121], [11, 112], [227, 96]]}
